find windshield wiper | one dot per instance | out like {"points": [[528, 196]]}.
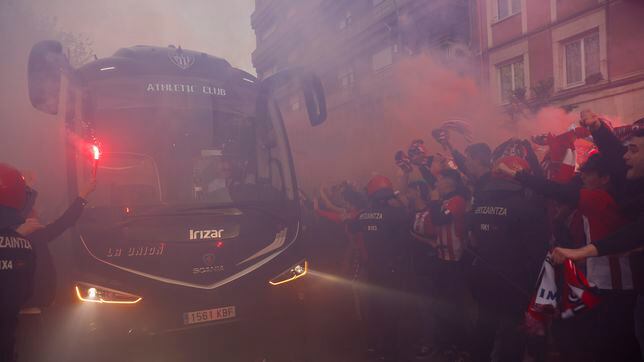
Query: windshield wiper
{"points": [[171, 211], [218, 208], [200, 209], [246, 205]]}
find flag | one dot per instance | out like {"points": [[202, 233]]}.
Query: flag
{"points": [[577, 295], [544, 303]]}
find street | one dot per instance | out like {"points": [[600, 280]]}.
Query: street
{"points": [[326, 328]]}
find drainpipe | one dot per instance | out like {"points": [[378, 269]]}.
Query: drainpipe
{"points": [[398, 36], [607, 12]]}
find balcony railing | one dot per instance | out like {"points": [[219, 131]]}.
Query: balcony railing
{"points": [[435, 14], [330, 36]]}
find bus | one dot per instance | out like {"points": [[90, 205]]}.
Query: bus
{"points": [[196, 217]]}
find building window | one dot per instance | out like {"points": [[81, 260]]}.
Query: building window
{"points": [[508, 8], [294, 102], [511, 79], [581, 59], [268, 72], [346, 78], [382, 59], [346, 21], [270, 30], [293, 57]]}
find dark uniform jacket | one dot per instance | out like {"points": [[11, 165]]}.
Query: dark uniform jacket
{"points": [[45, 271], [509, 235], [385, 232], [17, 263]]}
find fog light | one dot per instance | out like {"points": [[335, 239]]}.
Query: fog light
{"points": [[296, 271], [97, 294]]}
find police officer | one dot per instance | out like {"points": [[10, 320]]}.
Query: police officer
{"points": [[509, 235], [384, 227], [17, 259], [41, 236]]}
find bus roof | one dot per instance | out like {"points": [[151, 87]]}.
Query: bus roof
{"points": [[169, 61], [146, 76]]}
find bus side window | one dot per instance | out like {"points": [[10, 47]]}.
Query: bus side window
{"points": [[277, 174], [132, 194]]}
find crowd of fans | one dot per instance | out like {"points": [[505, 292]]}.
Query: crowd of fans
{"points": [[507, 256], [474, 232]]}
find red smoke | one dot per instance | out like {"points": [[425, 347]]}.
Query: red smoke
{"points": [[414, 97]]}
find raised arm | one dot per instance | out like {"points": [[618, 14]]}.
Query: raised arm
{"points": [[607, 143], [327, 202], [567, 193], [68, 219]]}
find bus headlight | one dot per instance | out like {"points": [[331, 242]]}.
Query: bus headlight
{"points": [[97, 294], [296, 271]]}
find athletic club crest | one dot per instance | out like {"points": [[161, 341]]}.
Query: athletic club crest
{"points": [[209, 259], [183, 61]]}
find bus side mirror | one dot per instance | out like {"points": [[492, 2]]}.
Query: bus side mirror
{"points": [[314, 99], [46, 62], [311, 86]]}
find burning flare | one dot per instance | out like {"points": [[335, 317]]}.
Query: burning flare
{"points": [[96, 152]]}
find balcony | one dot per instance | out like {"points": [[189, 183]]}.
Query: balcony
{"points": [[261, 8], [376, 16], [423, 19], [287, 31]]}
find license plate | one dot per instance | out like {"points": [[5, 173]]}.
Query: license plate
{"points": [[208, 315]]}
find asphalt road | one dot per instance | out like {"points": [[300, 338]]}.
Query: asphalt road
{"points": [[324, 330], [327, 328]]}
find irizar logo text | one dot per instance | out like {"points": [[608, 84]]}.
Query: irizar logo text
{"points": [[206, 234]]}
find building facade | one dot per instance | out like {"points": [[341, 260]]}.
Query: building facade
{"points": [[355, 47], [569, 53], [521, 55]]}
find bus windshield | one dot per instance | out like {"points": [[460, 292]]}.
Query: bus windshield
{"points": [[183, 155]]}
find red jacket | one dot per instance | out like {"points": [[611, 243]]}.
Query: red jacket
{"points": [[449, 223], [600, 217]]}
